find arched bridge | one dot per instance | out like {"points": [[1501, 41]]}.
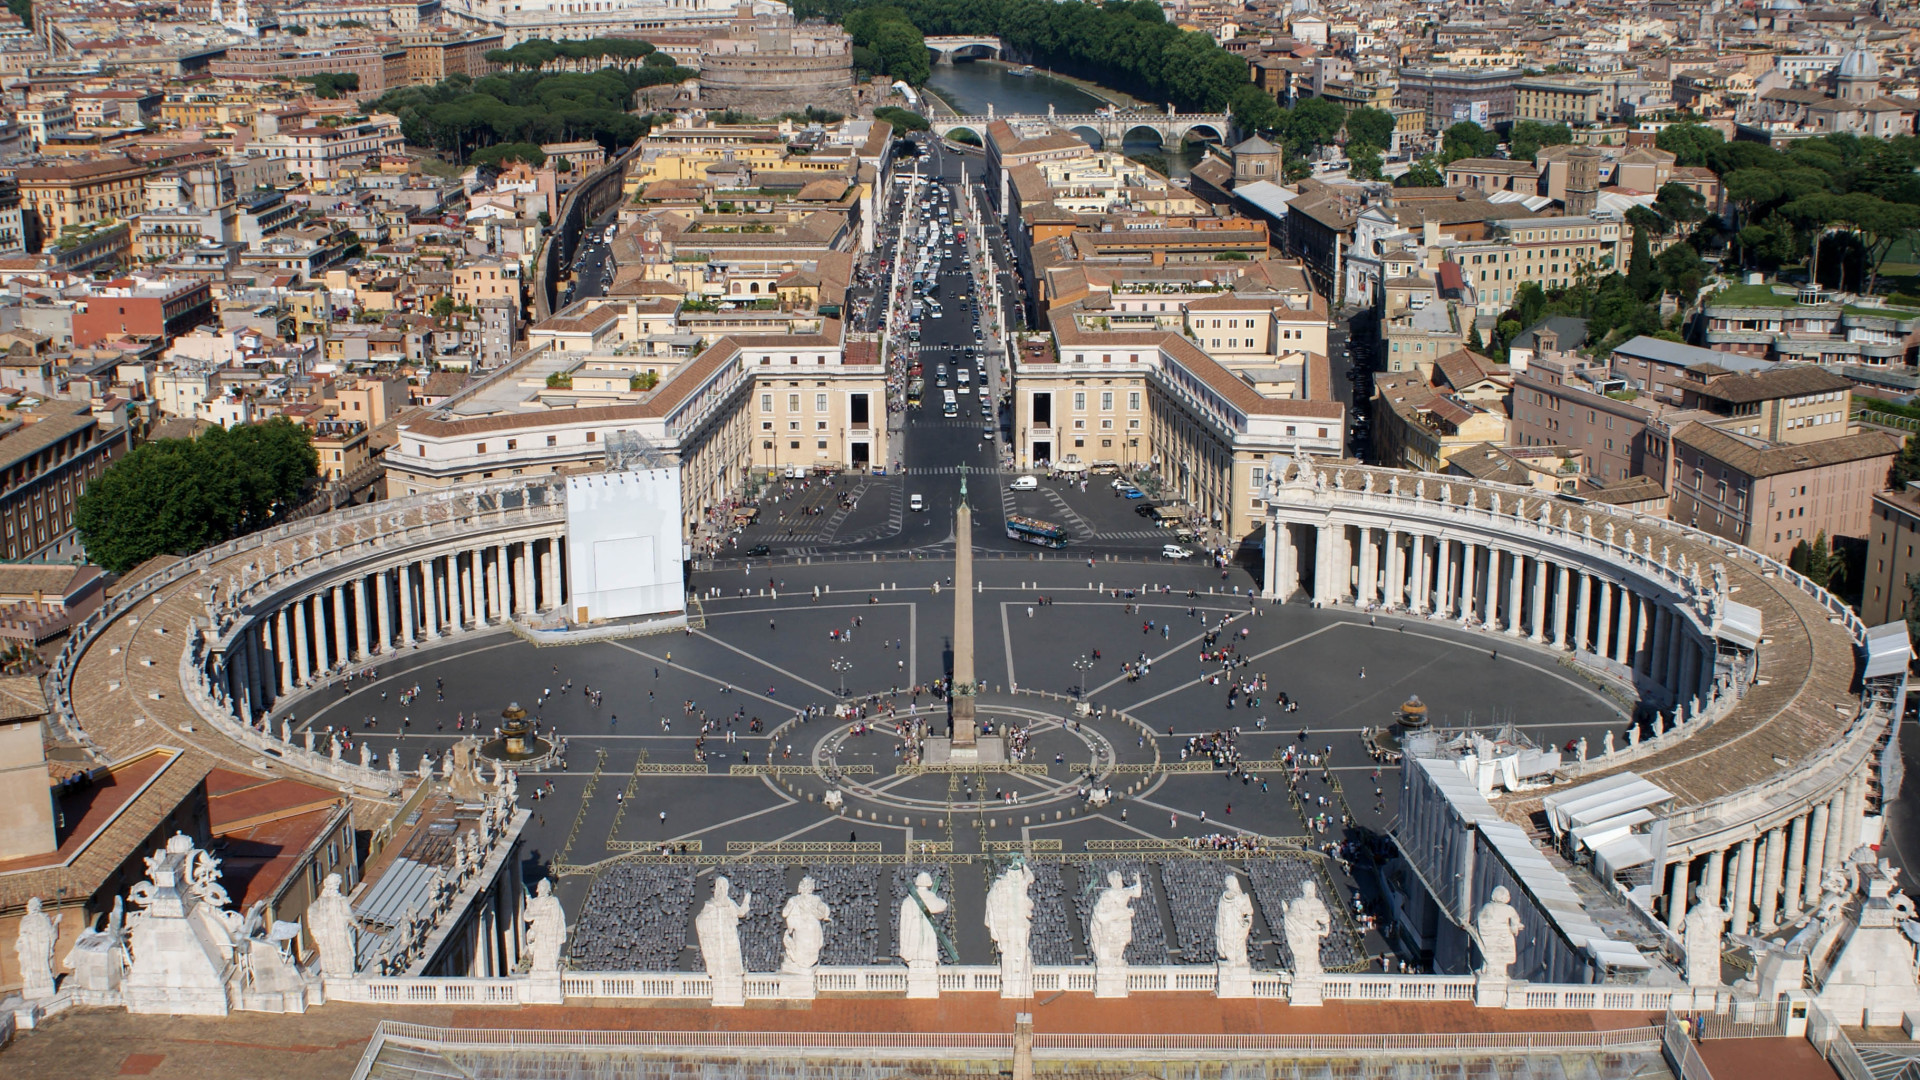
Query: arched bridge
{"points": [[1108, 129], [946, 50]]}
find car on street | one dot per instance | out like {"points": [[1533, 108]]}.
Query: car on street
{"points": [[916, 503], [1175, 551], [1131, 492], [1023, 483], [758, 550], [987, 434]]}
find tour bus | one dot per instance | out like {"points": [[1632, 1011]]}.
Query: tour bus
{"points": [[1034, 531], [950, 406]]}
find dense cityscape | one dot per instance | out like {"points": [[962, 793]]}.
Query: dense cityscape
{"points": [[1303, 539]]}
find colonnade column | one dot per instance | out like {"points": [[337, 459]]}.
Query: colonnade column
{"points": [[1816, 854], [1623, 628], [1396, 570], [404, 579], [1369, 568], [1537, 631], [1796, 869], [523, 574], [1422, 554], [381, 601], [1583, 615], [300, 641], [1516, 593], [322, 615], [1713, 886], [550, 576], [1562, 604], [1770, 881], [430, 603], [362, 644], [1444, 587], [1658, 644], [1742, 889], [337, 600], [1644, 608], [284, 651], [1603, 624], [1490, 606], [1677, 896]]}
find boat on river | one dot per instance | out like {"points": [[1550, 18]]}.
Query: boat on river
{"points": [[1024, 71]]}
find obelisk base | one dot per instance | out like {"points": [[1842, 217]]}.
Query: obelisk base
{"points": [[965, 730]]}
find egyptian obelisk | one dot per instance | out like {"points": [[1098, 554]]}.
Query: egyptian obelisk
{"points": [[964, 730]]}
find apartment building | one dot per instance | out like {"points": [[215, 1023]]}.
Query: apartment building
{"points": [[47, 457], [1892, 562], [1810, 326], [1553, 252], [323, 152], [1149, 398], [1448, 95], [66, 196], [1559, 101], [1771, 497], [1417, 425]]}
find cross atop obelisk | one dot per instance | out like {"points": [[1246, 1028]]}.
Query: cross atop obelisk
{"points": [[965, 730]]}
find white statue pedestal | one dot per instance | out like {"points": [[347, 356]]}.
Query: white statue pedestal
{"points": [[923, 980], [798, 986], [1490, 993], [729, 990], [1233, 980], [1110, 982], [1304, 992], [542, 989]]}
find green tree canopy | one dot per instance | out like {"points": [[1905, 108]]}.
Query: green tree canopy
{"points": [[1528, 136], [1424, 173], [1313, 124], [1371, 126], [1467, 139], [1692, 145], [176, 496]]}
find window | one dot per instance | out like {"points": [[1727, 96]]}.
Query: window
{"points": [[819, 403], [592, 435], [1133, 400], [766, 402], [513, 444], [480, 448], [1079, 401], [793, 402], [1106, 401]]}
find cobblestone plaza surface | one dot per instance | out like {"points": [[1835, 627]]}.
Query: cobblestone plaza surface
{"points": [[638, 778]]}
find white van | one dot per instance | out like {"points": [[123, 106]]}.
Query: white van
{"points": [[916, 504], [1023, 483]]}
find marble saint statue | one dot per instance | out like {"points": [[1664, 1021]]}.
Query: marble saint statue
{"points": [[330, 924], [1499, 927], [718, 928], [1305, 923], [1232, 924], [1009, 919], [919, 944], [1702, 941], [803, 914], [1112, 928], [546, 929], [34, 947]]}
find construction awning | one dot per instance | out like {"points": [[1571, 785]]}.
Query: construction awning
{"points": [[1889, 650]]}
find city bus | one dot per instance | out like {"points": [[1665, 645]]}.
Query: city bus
{"points": [[915, 387], [951, 405], [1035, 531]]}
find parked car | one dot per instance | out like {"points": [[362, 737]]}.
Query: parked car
{"points": [[1133, 493]]}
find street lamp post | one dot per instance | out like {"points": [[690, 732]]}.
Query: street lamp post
{"points": [[1082, 665], [842, 665]]}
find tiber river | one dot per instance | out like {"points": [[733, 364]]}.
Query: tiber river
{"points": [[970, 86]]}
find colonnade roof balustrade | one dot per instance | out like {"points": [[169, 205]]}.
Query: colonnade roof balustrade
{"points": [[1772, 749]]}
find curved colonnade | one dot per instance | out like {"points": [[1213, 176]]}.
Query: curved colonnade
{"points": [[1769, 732], [1767, 739], [264, 618]]}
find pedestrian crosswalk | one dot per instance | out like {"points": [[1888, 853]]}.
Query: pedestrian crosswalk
{"points": [[949, 470]]}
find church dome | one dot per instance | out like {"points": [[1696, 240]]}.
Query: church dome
{"points": [[1860, 64]]}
